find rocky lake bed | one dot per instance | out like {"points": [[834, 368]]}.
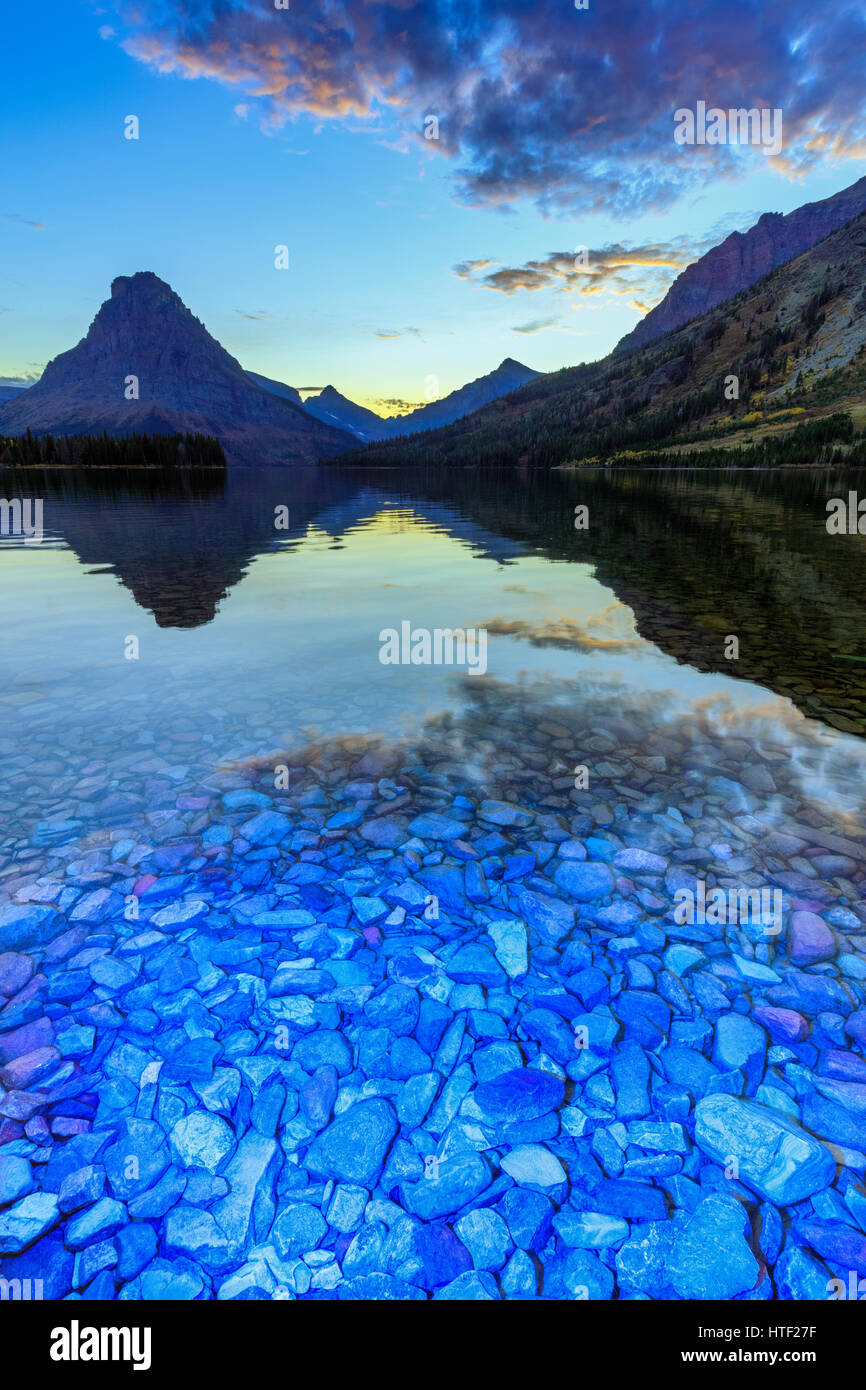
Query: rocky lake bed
{"points": [[373, 1018]]}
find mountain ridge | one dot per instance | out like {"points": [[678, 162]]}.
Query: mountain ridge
{"points": [[794, 344], [742, 259]]}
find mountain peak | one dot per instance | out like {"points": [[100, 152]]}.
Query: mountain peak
{"points": [[147, 363], [510, 364], [144, 287]]}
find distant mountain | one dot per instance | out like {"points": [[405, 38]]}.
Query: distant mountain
{"points": [[744, 257], [507, 377], [145, 339], [8, 393], [334, 409], [276, 388], [789, 350]]}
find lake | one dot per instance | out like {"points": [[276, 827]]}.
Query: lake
{"points": [[286, 923]]}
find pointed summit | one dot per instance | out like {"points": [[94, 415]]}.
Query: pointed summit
{"points": [[148, 364]]}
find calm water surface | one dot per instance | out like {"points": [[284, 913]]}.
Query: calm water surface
{"points": [[253, 639]]}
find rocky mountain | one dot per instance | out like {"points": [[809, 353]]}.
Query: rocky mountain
{"points": [[148, 365], [788, 352], [335, 409], [744, 257]]}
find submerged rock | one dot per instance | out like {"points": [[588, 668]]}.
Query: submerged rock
{"points": [[774, 1156]]}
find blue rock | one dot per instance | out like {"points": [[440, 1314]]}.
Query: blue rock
{"points": [[456, 1181], [177, 1280], [28, 924], [584, 881], [630, 1074], [98, 1222], [396, 1008], [548, 919], [81, 1188], [510, 946], [433, 1019], [45, 1270], [432, 826], [407, 1059], [443, 1256], [548, 1029], [597, 848], [267, 828], [647, 1017], [249, 1204], [447, 884], [522, 1094], [486, 1237], [194, 1061], [633, 1200], [684, 1066], [365, 1253], [475, 964], [369, 910], [137, 1159], [191, 1233], [800, 1277], [324, 1048], [157, 1200], [379, 1288], [520, 1276], [641, 1261], [136, 1247], [30, 1218], [775, 1157], [532, 1165], [584, 1277], [834, 1122], [317, 1098], [16, 1178], [740, 1043], [245, 799], [710, 1257], [589, 1230], [354, 1146], [620, 917], [297, 1229], [476, 1287], [201, 1140], [475, 883], [836, 1243], [416, 1098], [346, 1209], [529, 1217]]}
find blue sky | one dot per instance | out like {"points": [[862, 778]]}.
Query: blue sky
{"points": [[305, 127]]}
